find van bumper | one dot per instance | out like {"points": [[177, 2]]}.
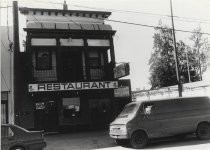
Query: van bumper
{"points": [[119, 136]]}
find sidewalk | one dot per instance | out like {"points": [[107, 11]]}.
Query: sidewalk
{"points": [[79, 141]]}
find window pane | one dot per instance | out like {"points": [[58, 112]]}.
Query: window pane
{"points": [[43, 59], [71, 107]]}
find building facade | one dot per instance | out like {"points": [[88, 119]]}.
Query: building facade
{"points": [[67, 71], [7, 100]]}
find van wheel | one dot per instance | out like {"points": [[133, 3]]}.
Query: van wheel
{"points": [[138, 139], [203, 131], [121, 142]]}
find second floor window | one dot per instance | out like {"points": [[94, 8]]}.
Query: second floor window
{"points": [[43, 59]]}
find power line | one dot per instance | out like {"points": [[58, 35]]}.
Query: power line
{"points": [[75, 22], [130, 11], [5, 7], [5, 81], [66, 16], [118, 21], [151, 14], [8, 24], [130, 23], [39, 22], [151, 26], [47, 2], [4, 46], [137, 12]]}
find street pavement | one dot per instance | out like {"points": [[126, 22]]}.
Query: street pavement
{"points": [[100, 140]]}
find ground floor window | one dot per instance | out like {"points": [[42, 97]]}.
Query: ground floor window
{"points": [[71, 107]]}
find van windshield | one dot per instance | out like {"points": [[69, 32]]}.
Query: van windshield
{"points": [[129, 109]]}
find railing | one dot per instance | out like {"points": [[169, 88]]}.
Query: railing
{"points": [[83, 73], [44, 75]]}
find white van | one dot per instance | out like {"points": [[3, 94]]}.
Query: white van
{"points": [[140, 121]]}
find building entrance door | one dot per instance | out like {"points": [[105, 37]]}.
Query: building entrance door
{"points": [[100, 112], [46, 116]]}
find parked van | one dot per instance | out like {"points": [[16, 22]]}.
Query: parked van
{"points": [[143, 120]]}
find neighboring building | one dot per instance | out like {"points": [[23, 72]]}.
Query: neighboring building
{"points": [[67, 71], [7, 101]]}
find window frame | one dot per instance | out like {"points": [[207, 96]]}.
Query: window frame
{"points": [[74, 113], [44, 49]]}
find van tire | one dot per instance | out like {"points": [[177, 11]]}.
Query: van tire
{"points": [[203, 131], [138, 139]]}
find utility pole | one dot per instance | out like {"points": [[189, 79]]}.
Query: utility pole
{"points": [[188, 67], [199, 60], [16, 64], [175, 54]]}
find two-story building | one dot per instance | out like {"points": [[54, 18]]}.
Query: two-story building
{"points": [[67, 70]]}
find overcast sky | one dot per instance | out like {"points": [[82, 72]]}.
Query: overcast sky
{"points": [[133, 43]]}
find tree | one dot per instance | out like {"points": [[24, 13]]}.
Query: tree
{"points": [[162, 61], [201, 48]]}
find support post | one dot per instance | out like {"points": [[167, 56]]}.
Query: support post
{"points": [[176, 55], [16, 63]]}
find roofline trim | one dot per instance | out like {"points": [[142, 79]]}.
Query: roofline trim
{"points": [[25, 10]]}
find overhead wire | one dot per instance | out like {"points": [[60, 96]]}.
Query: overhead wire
{"points": [[5, 47], [39, 22], [5, 81], [119, 21], [138, 12], [131, 23], [8, 23], [130, 11], [5, 7]]}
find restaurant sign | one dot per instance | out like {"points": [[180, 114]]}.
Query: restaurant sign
{"points": [[42, 87]]}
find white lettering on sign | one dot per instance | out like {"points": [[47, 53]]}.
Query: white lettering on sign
{"points": [[41, 87]]}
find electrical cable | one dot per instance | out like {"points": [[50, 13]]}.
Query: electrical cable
{"points": [[129, 11], [74, 22], [125, 22], [8, 24], [39, 22], [5, 47], [5, 7], [5, 81], [130, 23]]}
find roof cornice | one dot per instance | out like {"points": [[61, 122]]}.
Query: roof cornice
{"points": [[25, 10]]}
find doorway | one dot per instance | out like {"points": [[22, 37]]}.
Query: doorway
{"points": [[72, 65], [100, 112], [46, 115]]}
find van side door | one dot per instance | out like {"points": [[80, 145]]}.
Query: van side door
{"points": [[174, 118], [150, 120]]}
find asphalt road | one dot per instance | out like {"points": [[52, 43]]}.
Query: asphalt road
{"points": [[100, 140]]}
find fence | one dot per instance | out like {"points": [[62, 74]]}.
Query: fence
{"points": [[200, 88]]}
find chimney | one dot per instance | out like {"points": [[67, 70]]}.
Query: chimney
{"points": [[65, 6]]}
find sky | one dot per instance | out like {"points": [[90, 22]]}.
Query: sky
{"points": [[132, 43]]}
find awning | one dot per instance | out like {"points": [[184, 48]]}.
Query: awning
{"points": [[68, 26]]}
